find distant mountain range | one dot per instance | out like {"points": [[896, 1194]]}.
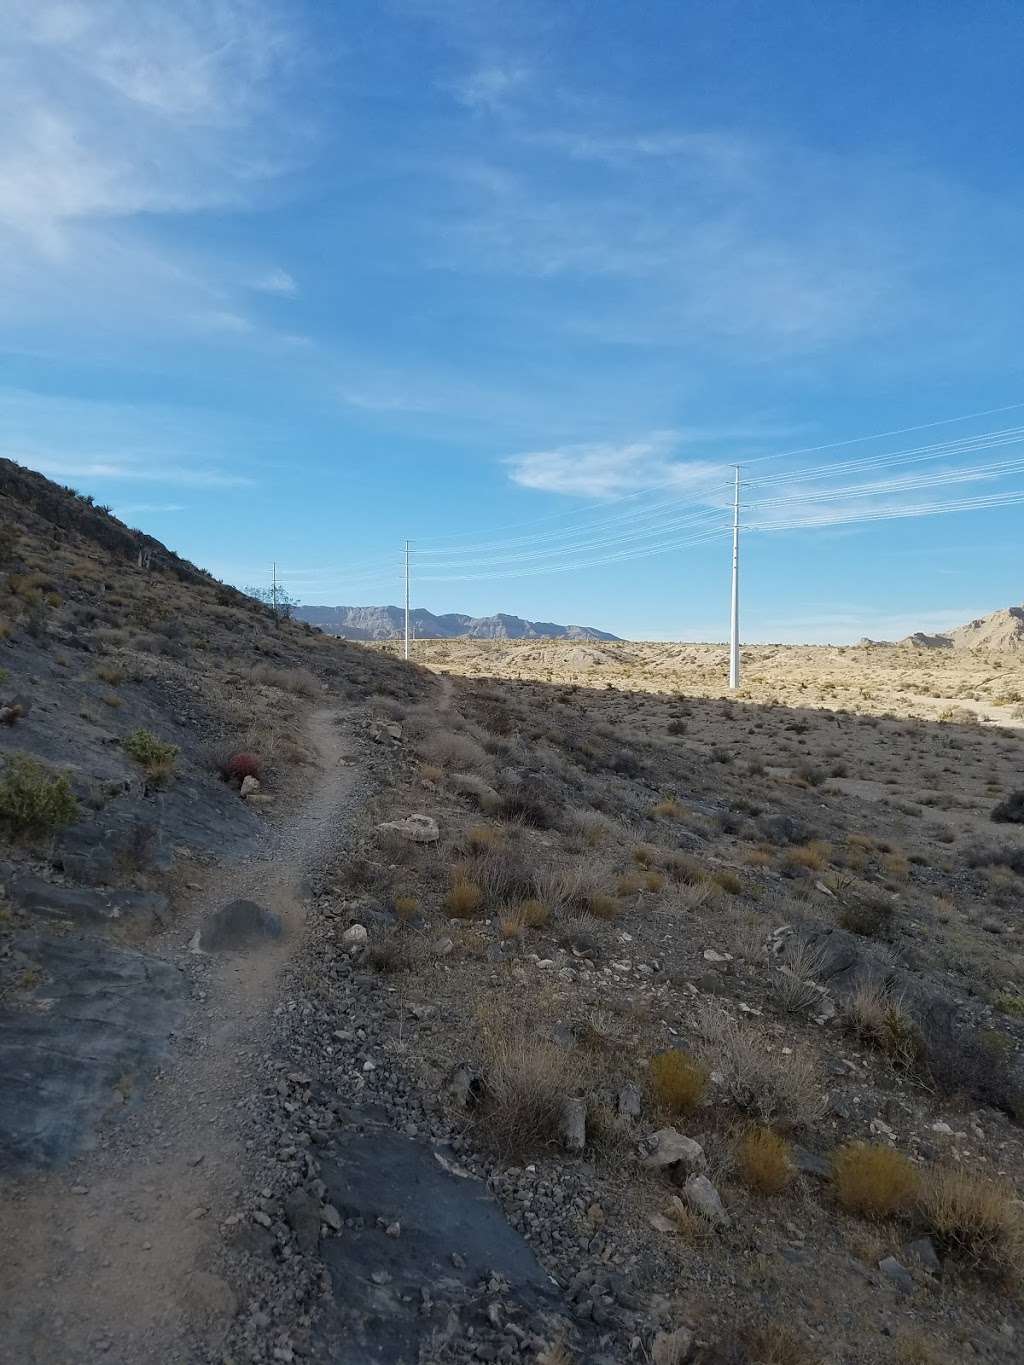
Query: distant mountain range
{"points": [[1000, 630], [388, 623]]}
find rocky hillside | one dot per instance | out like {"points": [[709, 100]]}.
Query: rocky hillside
{"points": [[388, 623], [1000, 631], [136, 694]]}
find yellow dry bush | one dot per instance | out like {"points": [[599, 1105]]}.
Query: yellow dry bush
{"points": [[976, 1218], [464, 898], [678, 1080], [876, 1182], [763, 1161]]}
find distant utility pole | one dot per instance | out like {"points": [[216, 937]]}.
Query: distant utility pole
{"points": [[273, 589], [407, 599], [734, 638]]}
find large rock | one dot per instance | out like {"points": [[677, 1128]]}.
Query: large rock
{"points": [[418, 829], [701, 1195], [90, 907], [239, 924], [84, 1024], [669, 1148]]}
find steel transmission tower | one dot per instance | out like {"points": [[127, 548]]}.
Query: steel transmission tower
{"points": [[407, 599], [734, 638]]}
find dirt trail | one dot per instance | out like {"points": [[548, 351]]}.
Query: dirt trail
{"points": [[114, 1258]]}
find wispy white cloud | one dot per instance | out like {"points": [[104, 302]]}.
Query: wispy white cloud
{"points": [[139, 509], [601, 470], [128, 470], [276, 281], [118, 113], [489, 87]]}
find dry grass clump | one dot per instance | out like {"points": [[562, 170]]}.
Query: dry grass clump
{"points": [[976, 1218], [727, 881], [775, 1087], [601, 906], [811, 857], [669, 809], [868, 918], [526, 1080], [873, 1181], [877, 1017], [299, 681], [447, 749], [591, 826], [763, 1161], [464, 898], [795, 983], [405, 906], [769, 1343], [629, 884], [470, 784], [678, 1081], [482, 836]]}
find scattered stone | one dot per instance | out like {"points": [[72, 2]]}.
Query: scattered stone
{"points": [[354, 934], [630, 1101], [330, 1215], [660, 1222], [923, 1252], [239, 924], [899, 1274], [463, 1086], [250, 786], [669, 1147], [574, 1125], [303, 1215], [701, 1195], [418, 829]]}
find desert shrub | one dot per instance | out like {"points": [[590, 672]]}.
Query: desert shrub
{"points": [[681, 867], [451, 750], [526, 807], [769, 1343], [300, 681], [483, 836], [526, 1080], [503, 874], [976, 1219], [970, 1061], [534, 914], [763, 1160], [111, 674], [867, 917], [873, 1181], [237, 767], [678, 1081], [468, 784], [774, 1087], [405, 905], [599, 905], [998, 855], [1010, 811], [390, 955], [811, 857], [464, 898], [727, 881], [795, 982], [32, 800], [669, 809], [877, 1017], [592, 826], [810, 775], [154, 756], [676, 727]]}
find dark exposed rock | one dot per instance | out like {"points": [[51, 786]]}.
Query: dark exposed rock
{"points": [[109, 1014], [86, 907], [239, 924]]}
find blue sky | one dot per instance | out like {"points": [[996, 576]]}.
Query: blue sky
{"points": [[293, 282]]}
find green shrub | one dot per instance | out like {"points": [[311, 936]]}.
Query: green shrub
{"points": [[155, 756], [32, 801]]}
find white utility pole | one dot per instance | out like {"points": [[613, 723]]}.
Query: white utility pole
{"points": [[407, 599], [734, 639], [273, 589]]}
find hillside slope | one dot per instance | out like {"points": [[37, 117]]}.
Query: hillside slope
{"points": [[388, 623]]}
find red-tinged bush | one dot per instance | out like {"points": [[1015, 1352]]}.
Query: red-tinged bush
{"points": [[240, 766]]}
